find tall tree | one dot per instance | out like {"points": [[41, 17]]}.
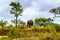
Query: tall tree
{"points": [[16, 9]]}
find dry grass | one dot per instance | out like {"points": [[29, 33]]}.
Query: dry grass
{"points": [[2, 37], [36, 33]]}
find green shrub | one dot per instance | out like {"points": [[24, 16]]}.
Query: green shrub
{"points": [[3, 32], [57, 26], [14, 33]]}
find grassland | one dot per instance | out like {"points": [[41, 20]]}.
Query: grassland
{"points": [[33, 33]]}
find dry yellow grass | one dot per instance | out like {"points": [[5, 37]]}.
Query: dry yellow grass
{"points": [[2, 37]]}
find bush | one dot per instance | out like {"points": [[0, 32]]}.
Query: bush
{"points": [[4, 32], [14, 33], [57, 26]]}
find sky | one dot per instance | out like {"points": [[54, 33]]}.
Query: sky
{"points": [[31, 9]]}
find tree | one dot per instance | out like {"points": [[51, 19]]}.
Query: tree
{"points": [[2, 23], [54, 10], [22, 23], [19, 22], [16, 9], [14, 21], [43, 21], [58, 10]]}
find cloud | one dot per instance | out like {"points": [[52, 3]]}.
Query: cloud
{"points": [[33, 12], [47, 4], [39, 9], [25, 3], [44, 4], [32, 9]]}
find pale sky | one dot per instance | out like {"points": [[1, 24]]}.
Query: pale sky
{"points": [[31, 9]]}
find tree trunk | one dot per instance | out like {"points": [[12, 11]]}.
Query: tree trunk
{"points": [[16, 21]]}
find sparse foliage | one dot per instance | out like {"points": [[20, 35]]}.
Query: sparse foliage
{"points": [[55, 11], [16, 9], [19, 22]]}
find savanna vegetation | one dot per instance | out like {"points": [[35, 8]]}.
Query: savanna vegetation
{"points": [[42, 28]]}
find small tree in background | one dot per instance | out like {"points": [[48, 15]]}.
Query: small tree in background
{"points": [[16, 9], [22, 23], [3, 23], [55, 11], [43, 21]]}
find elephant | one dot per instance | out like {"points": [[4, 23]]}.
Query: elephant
{"points": [[30, 23]]}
